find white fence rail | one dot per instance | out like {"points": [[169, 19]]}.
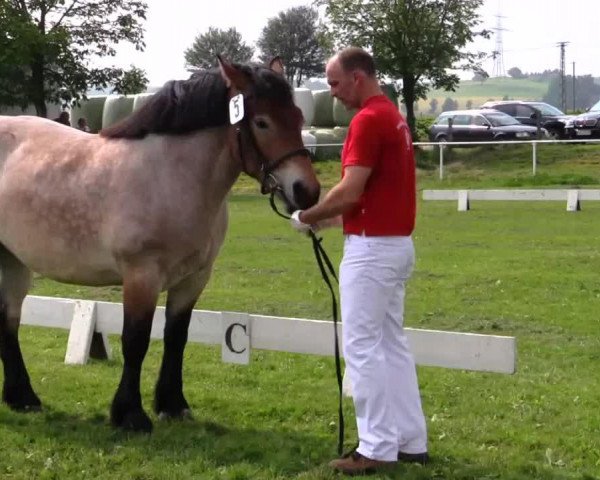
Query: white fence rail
{"points": [[445, 145], [573, 197], [239, 333], [533, 143]]}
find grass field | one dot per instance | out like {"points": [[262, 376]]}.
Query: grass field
{"points": [[491, 89], [523, 269]]}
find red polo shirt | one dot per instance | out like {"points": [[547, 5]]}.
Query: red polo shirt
{"points": [[379, 138]]}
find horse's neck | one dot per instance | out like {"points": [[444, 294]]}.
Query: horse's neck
{"points": [[211, 161]]}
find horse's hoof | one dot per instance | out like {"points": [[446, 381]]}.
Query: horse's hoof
{"points": [[25, 408], [171, 406], [185, 414], [137, 422], [22, 402]]}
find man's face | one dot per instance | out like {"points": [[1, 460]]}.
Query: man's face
{"points": [[342, 84]]}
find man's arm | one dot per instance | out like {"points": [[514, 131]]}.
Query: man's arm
{"points": [[342, 197]]}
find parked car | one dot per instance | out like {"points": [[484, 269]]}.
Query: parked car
{"points": [[480, 125], [586, 125], [551, 118]]}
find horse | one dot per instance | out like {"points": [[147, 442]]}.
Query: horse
{"points": [[142, 204]]}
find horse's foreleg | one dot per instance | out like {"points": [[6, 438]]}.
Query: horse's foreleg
{"points": [[15, 279], [169, 401], [140, 293]]}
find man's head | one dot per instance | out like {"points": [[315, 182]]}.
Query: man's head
{"points": [[351, 76]]}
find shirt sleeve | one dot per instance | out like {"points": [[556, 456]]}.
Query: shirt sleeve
{"points": [[364, 143]]}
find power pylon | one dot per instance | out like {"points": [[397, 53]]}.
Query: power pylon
{"points": [[498, 53], [563, 83]]}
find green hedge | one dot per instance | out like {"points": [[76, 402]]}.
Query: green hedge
{"points": [[422, 128]]}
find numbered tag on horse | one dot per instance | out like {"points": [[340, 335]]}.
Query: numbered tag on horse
{"points": [[236, 109]]}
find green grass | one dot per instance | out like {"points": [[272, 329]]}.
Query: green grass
{"points": [[527, 269], [491, 89]]}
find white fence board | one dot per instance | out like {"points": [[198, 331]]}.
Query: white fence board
{"points": [[468, 351], [81, 333], [512, 195]]}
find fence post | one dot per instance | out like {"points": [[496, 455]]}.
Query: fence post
{"points": [[441, 161], [534, 159]]}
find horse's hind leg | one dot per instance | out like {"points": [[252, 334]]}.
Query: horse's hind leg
{"points": [[15, 279], [140, 293], [169, 400]]}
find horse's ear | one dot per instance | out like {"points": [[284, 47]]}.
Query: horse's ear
{"points": [[232, 75], [276, 65]]}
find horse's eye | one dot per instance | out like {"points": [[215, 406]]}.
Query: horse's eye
{"points": [[260, 123]]}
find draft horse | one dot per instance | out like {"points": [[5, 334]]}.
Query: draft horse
{"points": [[142, 205]]}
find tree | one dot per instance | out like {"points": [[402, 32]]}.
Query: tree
{"points": [[415, 40], [480, 75], [587, 92], [433, 105], [46, 45], [515, 72], [131, 82], [449, 104], [203, 52], [299, 39]]}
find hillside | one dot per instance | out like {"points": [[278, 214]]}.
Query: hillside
{"points": [[491, 89]]}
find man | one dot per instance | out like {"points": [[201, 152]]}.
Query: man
{"points": [[64, 118], [83, 125], [375, 201]]}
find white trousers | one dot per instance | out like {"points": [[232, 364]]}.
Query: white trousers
{"points": [[379, 363]]}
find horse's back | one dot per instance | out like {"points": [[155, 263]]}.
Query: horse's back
{"points": [[51, 198], [74, 205]]}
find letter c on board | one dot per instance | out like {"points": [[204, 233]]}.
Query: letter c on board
{"points": [[229, 333]]}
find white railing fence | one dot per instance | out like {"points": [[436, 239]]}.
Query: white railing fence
{"points": [[573, 197], [442, 146], [239, 333]]}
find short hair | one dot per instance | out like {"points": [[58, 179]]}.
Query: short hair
{"points": [[356, 58]]}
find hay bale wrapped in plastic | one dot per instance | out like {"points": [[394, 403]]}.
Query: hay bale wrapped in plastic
{"points": [[90, 109], [116, 108], [323, 102], [341, 115], [390, 91], [340, 133], [140, 99], [303, 98], [326, 137], [309, 141]]}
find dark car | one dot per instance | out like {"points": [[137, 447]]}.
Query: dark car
{"points": [[551, 118], [586, 125], [479, 126]]}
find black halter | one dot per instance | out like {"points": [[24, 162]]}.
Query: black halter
{"points": [[266, 167]]}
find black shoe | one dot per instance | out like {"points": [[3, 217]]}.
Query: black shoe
{"points": [[421, 458]]}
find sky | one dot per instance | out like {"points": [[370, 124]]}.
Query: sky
{"points": [[531, 31]]}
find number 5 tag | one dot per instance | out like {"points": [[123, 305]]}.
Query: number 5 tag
{"points": [[236, 109]]}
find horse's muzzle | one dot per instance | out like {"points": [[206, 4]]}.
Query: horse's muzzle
{"points": [[305, 197]]}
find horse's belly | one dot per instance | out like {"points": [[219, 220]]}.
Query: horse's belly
{"points": [[85, 267], [85, 275]]}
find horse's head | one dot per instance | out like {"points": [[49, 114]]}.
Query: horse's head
{"points": [[269, 132]]}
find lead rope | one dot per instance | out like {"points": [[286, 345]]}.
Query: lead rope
{"points": [[323, 260]]}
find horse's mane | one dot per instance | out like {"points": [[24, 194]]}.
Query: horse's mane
{"points": [[182, 106]]}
